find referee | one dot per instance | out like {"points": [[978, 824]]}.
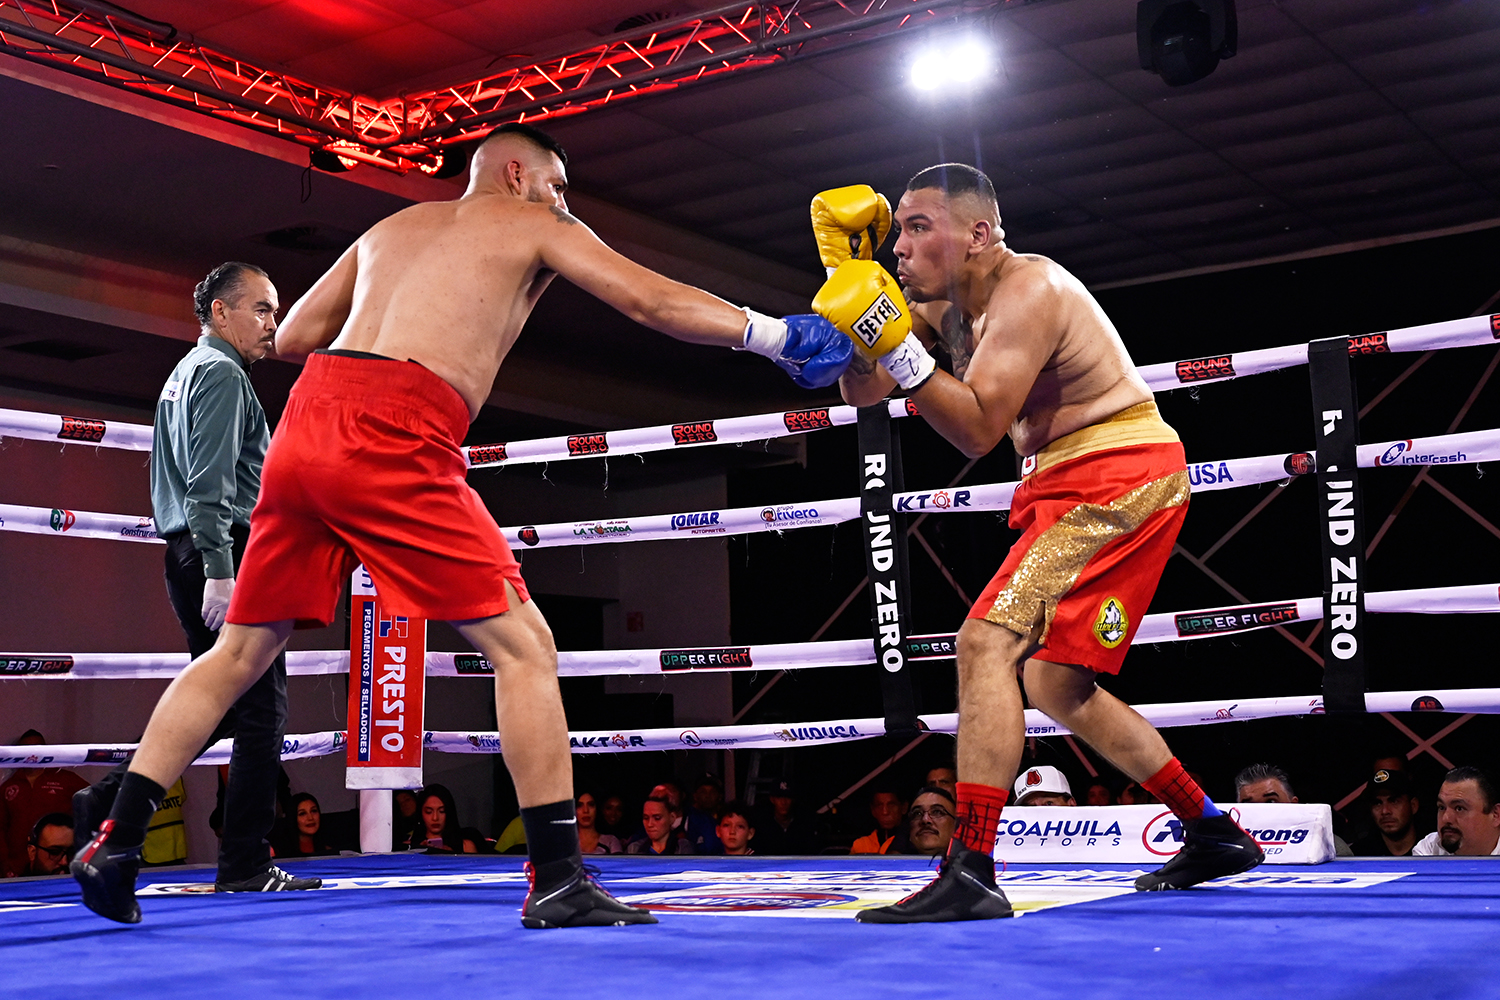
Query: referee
{"points": [[210, 440]]}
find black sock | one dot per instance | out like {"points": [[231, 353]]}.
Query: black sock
{"points": [[551, 832], [136, 800]]}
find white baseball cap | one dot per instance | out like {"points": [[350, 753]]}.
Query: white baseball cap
{"points": [[1043, 779]]}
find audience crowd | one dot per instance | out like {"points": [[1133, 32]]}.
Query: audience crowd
{"points": [[1394, 814]]}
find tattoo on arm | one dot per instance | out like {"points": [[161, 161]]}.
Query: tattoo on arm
{"points": [[861, 365], [955, 340], [562, 216]]}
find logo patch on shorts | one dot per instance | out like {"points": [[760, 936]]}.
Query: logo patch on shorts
{"points": [[1112, 624]]}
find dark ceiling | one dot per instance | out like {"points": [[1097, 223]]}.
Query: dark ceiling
{"points": [[1363, 120]]}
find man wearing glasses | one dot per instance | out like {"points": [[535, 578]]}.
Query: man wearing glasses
{"points": [[49, 846], [930, 821]]}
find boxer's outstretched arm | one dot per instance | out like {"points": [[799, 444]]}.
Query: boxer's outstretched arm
{"points": [[318, 317], [1022, 329], [572, 250]]}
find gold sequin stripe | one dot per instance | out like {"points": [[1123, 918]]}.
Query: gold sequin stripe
{"points": [[1054, 561], [1138, 424]]}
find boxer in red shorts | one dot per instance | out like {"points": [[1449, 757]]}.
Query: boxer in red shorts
{"points": [[1103, 495], [406, 333]]}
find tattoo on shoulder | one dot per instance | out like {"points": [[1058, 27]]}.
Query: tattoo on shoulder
{"points": [[1034, 258], [562, 216]]}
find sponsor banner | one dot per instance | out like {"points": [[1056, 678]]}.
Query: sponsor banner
{"points": [[1451, 700], [731, 658], [74, 430], [77, 523], [31, 664], [1444, 449], [387, 689], [1290, 834]]}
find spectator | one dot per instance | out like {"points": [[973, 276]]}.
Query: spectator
{"points": [[166, 834], [49, 847], [590, 840], [931, 821], [889, 812], [475, 842], [735, 830], [403, 817], [1098, 794], [26, 796], [1133, 794], [512, 839], [1043, 786], [1393, 810], [310, 839], [437, 827], [1263, 783], [1468, 820], [660, 836], [703, 817], [612, 815], [782, 831], [942, 777], [1269, 783]]}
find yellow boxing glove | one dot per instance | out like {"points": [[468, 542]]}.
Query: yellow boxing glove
{"points": [[849, 223], [866, 304]]}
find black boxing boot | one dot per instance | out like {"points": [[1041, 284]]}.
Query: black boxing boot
{"points": [[564, 894], [964, 889], [1213, 847], [106, 873]]}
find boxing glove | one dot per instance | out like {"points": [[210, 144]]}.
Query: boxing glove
{"points": [[864, 302], [849, 223], [806, 347]]}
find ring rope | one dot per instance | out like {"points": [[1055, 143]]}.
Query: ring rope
{"points": [[1164, 627], [1468, 448], [1163, 377], [1482, 701]]}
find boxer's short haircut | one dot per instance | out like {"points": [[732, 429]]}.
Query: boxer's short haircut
{"points": [[1480, 778], [224, 282], [954, 179], [533, 135]]}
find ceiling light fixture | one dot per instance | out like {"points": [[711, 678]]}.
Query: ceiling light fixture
{"points": [[952, 63], [1182, 41]]}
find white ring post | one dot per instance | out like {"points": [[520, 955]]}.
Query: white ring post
{"points": [[375, 825]]}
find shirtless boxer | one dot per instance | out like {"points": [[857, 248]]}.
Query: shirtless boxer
{"points": [[405, 334], [1103, 494]]}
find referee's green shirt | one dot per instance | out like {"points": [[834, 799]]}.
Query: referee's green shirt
{"points": [[209, 443]]}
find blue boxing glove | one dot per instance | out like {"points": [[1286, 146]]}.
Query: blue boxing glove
{"points": [[808, 348]]}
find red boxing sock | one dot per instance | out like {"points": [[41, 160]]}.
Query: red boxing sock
{"points": [[1179, 792], [978, 816]]}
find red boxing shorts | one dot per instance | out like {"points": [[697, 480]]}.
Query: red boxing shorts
{"points": [[1099, 511], [365, 467]]}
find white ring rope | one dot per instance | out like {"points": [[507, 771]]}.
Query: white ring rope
{"points": [[1165, 627], [1485, 701], [1467, 332], [1470, 447]]}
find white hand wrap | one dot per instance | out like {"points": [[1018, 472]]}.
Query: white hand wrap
{"points": [[909, 364], [216, 595], [764, 335]]}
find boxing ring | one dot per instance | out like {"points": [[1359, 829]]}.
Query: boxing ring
{"points": [[1278, 928]]}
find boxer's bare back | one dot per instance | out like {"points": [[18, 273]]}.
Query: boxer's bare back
{"points": [[450, 284], [1036, 355]]}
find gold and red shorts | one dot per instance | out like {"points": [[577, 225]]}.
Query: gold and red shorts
{"points": [[1099, 511]]}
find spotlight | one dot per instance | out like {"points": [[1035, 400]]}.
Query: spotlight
{"points": [[451, 162], [1183, 40], [960, 62], [330, 162]]}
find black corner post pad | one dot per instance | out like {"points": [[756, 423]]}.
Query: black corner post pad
{"points": [[884, 533], [1340, 523]]}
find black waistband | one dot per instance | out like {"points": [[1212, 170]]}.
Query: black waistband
{"points": [[341, 353]]}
